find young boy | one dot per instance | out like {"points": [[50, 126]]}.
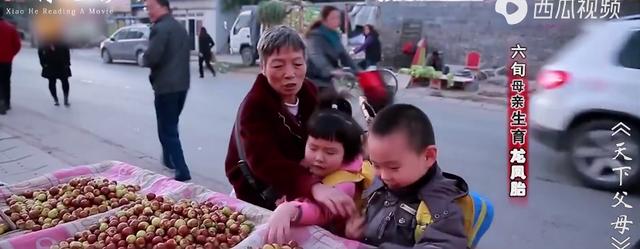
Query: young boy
{"points": [[401, 146]]}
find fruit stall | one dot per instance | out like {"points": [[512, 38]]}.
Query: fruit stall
{"points": [[115, 205]]}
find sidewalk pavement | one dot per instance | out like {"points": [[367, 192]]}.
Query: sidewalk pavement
{"points": [[487, 94], [20, 161], [32, 145], [233, 59]]}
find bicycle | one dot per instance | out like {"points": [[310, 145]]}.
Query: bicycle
{"points": [[349, 81]]}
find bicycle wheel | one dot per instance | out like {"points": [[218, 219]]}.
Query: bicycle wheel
{"points": [[390, 79]]}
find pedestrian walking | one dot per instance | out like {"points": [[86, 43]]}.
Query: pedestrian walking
{"points": [[55, 60], [205, 44], [168, 57], [371, 48], [10, 44]]}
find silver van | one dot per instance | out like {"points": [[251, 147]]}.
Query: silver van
{"points": [[127, 43]]}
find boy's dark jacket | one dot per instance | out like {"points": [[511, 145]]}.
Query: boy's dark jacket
{"points": [[391, 226]]}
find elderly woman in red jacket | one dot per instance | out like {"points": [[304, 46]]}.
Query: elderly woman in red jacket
{"points": [[272, 123]]}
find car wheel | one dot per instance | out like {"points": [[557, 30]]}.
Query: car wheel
{"points": [[140, 58], [592, 150], [247, 56], [106, 56]]}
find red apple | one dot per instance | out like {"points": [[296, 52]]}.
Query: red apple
{"points": [[177, 209], [201, 239], [220, 226], [134, 223], [156, 240], [142, 225], [221, 238], [171, 244], [127, 231], [172, 232], [183, 230], [121, 226], [149, 236], [166, 207], [117, 237], [92, 238], [140, 242], [192, 223], [122, 243], [160, 232]]}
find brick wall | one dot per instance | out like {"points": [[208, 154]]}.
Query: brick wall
{"points": [[459, 27]]}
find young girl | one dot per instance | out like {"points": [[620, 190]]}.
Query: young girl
{"points": [[334, 154]]}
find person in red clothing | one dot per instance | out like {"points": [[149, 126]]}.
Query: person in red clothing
{"points": [[272, 125], [9, 47]]}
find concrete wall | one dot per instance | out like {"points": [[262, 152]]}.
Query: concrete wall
{"points": [[459, 27], [222, 35]]}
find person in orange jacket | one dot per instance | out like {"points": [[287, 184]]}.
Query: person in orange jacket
{"points": [[9, 47]]}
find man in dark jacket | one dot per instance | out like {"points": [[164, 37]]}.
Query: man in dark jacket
{"points": [[10, 44], [168, 57], [401, 146], [205, 44]]}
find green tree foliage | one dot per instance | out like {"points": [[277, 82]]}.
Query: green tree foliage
{"points": [[272, 12]]}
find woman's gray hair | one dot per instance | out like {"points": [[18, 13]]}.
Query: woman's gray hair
{"points": [[275, 38]]}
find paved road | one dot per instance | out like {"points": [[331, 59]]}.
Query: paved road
{"points": [[112, 117]]}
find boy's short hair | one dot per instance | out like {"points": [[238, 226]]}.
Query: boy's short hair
{"points": [[409, 119], [275, 38]]}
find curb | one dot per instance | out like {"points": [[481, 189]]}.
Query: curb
{"points": [[497, 103]]}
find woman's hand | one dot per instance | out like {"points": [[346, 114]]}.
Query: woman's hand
{"points": [[335, 200], [355, 227], [279, 225]]}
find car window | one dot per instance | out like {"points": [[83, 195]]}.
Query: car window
{"points": [[135, 34], [630, 54], [122, 34], [243, 21]]}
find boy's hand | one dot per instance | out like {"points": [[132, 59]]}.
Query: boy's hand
{"points": [[355, 227], [279, 224], [335, 200]]}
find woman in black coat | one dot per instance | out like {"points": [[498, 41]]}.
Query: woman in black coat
{"points": [[56, 61], [205, 43]]}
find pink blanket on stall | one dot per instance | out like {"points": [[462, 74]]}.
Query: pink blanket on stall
{"points": [[311, 237]]}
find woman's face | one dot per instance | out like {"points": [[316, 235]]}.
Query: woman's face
{"points": [[367, 30], [323, 156], [285, 70], [333, 20]]}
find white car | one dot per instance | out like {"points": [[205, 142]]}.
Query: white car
{"points": [[591, 86]]}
